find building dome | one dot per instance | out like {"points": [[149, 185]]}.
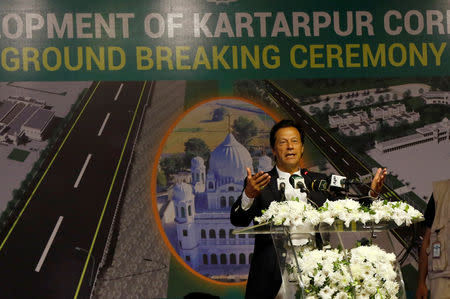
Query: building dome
{"points": [[229, 161], [182, 191]]}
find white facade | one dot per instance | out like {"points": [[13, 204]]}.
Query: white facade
{"points": [[355, 124], [387, 111], [359, 128], [437, 97], [347, 118], [437, 132]]}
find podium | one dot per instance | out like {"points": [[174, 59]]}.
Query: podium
{"points": [[357, 260]]}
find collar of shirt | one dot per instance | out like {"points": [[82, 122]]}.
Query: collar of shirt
{"points": [[286, 175]]}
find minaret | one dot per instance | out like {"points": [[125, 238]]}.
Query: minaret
{"points": [[184, 219], [198, 171]]}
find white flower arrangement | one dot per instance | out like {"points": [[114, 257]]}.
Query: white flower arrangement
{"points": [[365, 271], [297, 213]]}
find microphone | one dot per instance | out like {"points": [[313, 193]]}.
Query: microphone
{"points": [[298, 182], [339, 182], [281, 183], [330, 183]]}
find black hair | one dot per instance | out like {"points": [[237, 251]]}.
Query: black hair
{"points": [[285, 123]]}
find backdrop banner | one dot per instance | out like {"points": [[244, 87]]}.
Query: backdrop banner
{"points": [[127, 127]]}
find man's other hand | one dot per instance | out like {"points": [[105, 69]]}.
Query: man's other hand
{"points": [[377, 182]]}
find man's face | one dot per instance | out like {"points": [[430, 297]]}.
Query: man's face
{"points": [[288, 149]]}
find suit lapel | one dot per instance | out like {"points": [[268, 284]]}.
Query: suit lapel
{"points": [[275, 194]]}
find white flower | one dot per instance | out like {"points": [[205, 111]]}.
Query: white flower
{"points": [[313, 216], [362, 295], [327, 219], [302, 215], [372, 269], [306, 280], [365, 217], [341, 295], [326, 292], [371, 284], [339, 279], [391, 287], [346, 278], [319, 279]]}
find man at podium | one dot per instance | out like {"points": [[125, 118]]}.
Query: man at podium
{"points": [[260, 189]]}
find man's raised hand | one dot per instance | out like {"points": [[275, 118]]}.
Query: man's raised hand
{"points": [[377, 182], [256, 183]]}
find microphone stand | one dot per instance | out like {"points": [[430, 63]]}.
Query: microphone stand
{"points": [[282, 189], [302, 188]]}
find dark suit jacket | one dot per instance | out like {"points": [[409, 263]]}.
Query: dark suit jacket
{"points": [[264, 278]]}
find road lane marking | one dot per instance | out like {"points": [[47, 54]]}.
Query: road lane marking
{"points": [[306, 122], [49, 244], [321, 137], [299, 114], [314, 129], [333, 149], [118, 92], [345, 162], [77, 182], [109, 192], [103, 125], [48, 167]]}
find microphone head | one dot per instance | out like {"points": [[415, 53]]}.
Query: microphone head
{"points": [[297, 181], [281, 184], [338, 181], [319, 185]]}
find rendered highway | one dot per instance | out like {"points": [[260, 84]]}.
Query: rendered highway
{"points": [[54, 247]]}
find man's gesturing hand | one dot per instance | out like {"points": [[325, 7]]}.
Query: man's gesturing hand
{"points": [[255, 183], [377, 182]]}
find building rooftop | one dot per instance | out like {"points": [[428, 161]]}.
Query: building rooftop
{"points": [[22, 117], [401, 140], [40, 119], [28, 100], [5, 108], [442, 125], [13, 113]]}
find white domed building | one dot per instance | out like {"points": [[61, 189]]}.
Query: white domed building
{"points": [[202, 213], [227, 169]]}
